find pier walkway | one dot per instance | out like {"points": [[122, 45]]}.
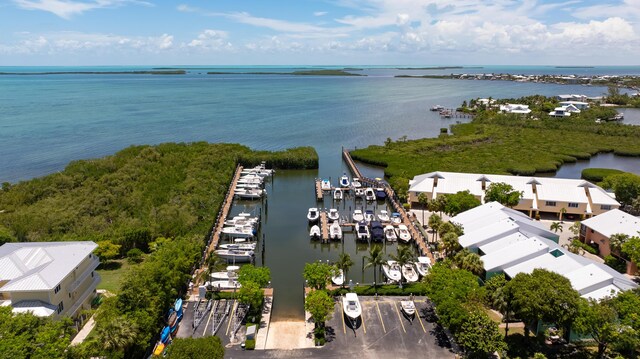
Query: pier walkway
{"points": [[421, 241], [319, 194], [324, 226]]}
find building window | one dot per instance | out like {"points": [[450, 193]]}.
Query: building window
{"points": [[573, 205], [605, 207], [60, 307], [57, 289], [550, 203]]}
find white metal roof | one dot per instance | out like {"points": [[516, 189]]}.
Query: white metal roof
{"points": [[614, 221], [588, 276], [514, 254], [602, 293], [503, 242], [561, 265], [489, 233], [40, 265], [35, 307]]}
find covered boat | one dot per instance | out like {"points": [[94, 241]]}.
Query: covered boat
{"points": [[333, 214], [396, 218], [313, 214], [381, 194]]}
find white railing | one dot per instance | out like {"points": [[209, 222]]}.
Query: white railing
{"points": [[95, 262], [83, 297]]}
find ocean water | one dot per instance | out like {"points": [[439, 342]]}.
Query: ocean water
{"points": [[48, 120]]}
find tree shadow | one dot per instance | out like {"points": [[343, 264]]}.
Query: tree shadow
{"points": [[110, 265]]}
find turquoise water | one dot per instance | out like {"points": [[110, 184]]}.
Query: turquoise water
{"points": [[47, 121]]}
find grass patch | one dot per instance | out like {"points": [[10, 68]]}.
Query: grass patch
{"points": [[112, 275], [598, 174]]}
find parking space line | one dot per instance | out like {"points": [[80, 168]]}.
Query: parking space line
{"points": [[420, 320], [204, 333], [399, 317], [380, 316], [233, 312], [344, 328], [362, 317]]}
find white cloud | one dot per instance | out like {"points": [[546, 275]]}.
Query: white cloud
{"points": [[211, 40], [68, 8], [320, 13]]}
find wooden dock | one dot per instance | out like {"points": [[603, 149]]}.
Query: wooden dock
{"points": [[319, 194], [352, 165], [324, 226]]}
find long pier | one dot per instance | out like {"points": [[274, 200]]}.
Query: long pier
{"points": [[421, 241], [319, 194], [324, 226]]}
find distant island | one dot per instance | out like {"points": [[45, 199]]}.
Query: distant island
{"points": [[172, 72], [438, 68], [575, 67], [296, 73]]}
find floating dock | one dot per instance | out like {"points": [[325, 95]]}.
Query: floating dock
{"points": [[324, 226], [319, 194]]}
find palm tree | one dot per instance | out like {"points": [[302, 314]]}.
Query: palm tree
{"points": [[616, 240], [344, 262], [434, 223], [469, 261], [556, 226], [404, 256], [573, 248], [117, 333], [375, 259], [501, 300], [562, 212], [450, 243]]}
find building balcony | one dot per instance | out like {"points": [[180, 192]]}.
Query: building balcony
{"points": [[95, 262], [84, 296]]}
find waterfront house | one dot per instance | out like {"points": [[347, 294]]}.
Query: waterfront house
{"points": [[48, 279], [597, 230], [564, 111], [540, 195], [515, 108], [579, 105], [573, 97]]}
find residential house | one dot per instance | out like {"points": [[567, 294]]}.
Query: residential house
{"points": [[515, 108], [576, 104]]}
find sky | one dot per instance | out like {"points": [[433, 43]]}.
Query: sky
{"points": [[319, 32]]}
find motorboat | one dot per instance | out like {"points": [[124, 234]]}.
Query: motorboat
{"points": [[249, 193], [333, 215], [357, 216], [408, 308], [338, 279], [369, 194], [314, 232], [241, 221], [396, 218], [337, 194], [325, 185], [235, 255], [392, 271], [359, 192], [239, 231], [335, 231], [423, 265], [239, 243], [381, 195], [224, 284], [344, 181], [383, 216], [249, 185], [437, 108], [351, 307], [229, 274], [355, 182], [369, 215], [261, 170], [403, 233], [377, 232], [390, 233], [313, 215], [409, 273], [250, 179], [362, 231]]}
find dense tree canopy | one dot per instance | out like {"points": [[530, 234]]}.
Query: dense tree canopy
{"points": [[318, 274], [503, 193], [480, 336], [250, 273], [209, 347], [625, 185], [459, 202], [320, 305]]}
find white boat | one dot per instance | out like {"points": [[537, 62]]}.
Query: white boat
{"points": [[369, 216], [261, 169], [335, 231], [325, 185], [369, 194], [392, 271], [249, 185], [390, 233], [423, 265], [250, 179], [344, 181], [235, 255], [314, 232], [339, 278], [362, 231], [359, 192], [383, 216], [239, 243], [351, 306], [355, 182], [403, 233], [313, 215], [249, 193], [238, 231], [223, 284], [357, 216], [396, 218], [241, 221], [437, 108], [333, 215], [337, 194], [230, 274], [409, 273], [408, 308]]}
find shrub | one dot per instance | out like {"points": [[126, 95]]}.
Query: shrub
{"points": [[585, 246], [134, 255], [598, 174], [616, 263], [444, 130], [250, 344]]}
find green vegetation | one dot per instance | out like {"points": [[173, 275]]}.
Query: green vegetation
{"points": [[459, 202], [325, 72], [598, 174], [250, 344], [625, 185], [318, 275], [154, 72], [320, 305], [188, 348], [584, 246], [385, 289], [258, 275], [503, 193], [615, 97], [112, 273], [502, 144]]}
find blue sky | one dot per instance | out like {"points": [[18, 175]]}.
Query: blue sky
{"points": [[410, 32]]}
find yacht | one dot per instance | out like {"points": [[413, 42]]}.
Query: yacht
{"points": [[359, 192], [390, 233], [239, 231], [338, 279], [249, 185], [437, 108], [235, 255], [369, 194], [229, 274], [357, 216], [403, 233], [333, 215], [239, 243], [314, 232], [409, 273], [362, 231], [355, 182], [335, 231], [383, 216], [250, 179], [423, 265], [223, 284], [249, 193], [344, 181], [337, 194], [241, 221], [392, 271], [325, 185], [369, 215], [313, 215], [351, 307], [396, 218]]}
